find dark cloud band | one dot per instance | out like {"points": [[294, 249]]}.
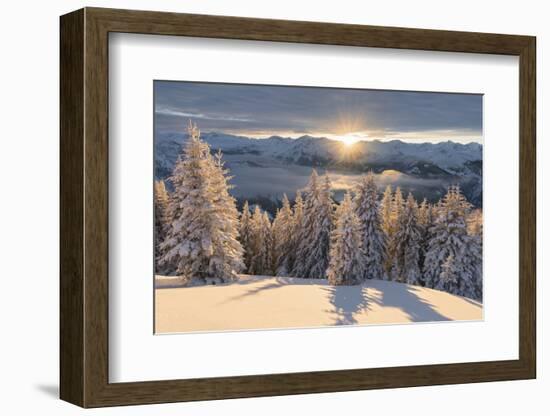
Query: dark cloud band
{"points": [[258, 109]]}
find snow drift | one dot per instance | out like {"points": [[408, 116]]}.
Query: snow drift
{"points": [[256, 302]]}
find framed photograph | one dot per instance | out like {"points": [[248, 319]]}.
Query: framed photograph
{"points": [[260, 207]]}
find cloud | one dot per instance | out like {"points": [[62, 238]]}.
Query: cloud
{"points": [[257, 109], [178, 113]]}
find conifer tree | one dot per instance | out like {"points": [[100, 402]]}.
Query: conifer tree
{"points": [[269, 243], [298, 209], [282, 230], [346, 266], [228, 253], [425, 222], [452, 254], [398, 207], [313, 248], [449, 275], [396, 211], [475, 230], [296, 231], [424, 214], [406, 262], [372, 236], [386, 213], [475, 222], [475, 260], [245, 234], [201, 241], [162, 219], [260, 258]]}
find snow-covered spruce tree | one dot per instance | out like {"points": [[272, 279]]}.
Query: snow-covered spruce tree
{"points": [[475, 260], [201, 241], [396, 212], [274, 246], [245, 234], [162, 219], [346, 260], [407, 239], [372, 236], [475, 230], [385, 212], [449, 274], [475, 222], [260, 259], [313, 247], [227, 259], [268, 227], [450, 263], [424, 214], [282, 239], [296, 230], [298, 210], [397, 208], [425, 222]]}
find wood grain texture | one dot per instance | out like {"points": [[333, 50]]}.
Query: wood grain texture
{"points": [[84, 207], [71, 208], [527, 208]]}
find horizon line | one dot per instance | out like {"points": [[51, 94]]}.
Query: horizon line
{"points": [[334, 137]]}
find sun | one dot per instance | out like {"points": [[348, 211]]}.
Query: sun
{"points": [[349, 139]]}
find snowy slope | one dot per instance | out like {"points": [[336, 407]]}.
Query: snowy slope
{"points": [[275, 302]]}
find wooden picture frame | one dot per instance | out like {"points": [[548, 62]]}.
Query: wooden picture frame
{"points": [[84, 207]]}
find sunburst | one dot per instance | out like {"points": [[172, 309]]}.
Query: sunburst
{"points": [[349, 139], [350, 128]]}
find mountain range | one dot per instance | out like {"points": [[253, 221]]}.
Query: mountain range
{"points": [[267, 168]]}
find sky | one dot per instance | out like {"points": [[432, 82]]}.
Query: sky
{"points": [[349, 115]]}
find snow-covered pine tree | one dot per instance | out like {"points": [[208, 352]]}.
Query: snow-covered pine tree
{"points": [[245, 234], [436, 209], [424, 214], [406, 261], [396, 212], [201, 241], [298, 210], [346, 259], [475, 230], [385, 212], [425, 222], [268, 227], [162, 219], [475, 260], [282, 239], [313, 246], [274, 245], [227, 258], [475, 222], [449, 274], [372, 236], [397, 207], [256, 242], [260, 259], [451, 256], [296, 230]]}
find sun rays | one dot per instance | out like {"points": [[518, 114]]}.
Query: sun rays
{"points": [[350, 139]]}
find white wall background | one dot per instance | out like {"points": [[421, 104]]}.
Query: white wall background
{"points": [[29, 84]]}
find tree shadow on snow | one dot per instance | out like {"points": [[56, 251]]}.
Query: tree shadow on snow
{"points": [[347, 301], [253, 291], [405, 297], [351, 300], [271, 282]]}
